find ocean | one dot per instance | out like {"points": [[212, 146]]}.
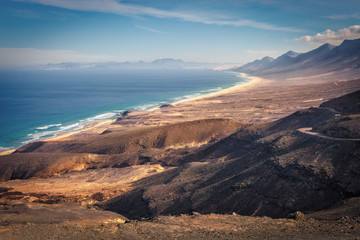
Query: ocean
{"points": [[43, 104]]}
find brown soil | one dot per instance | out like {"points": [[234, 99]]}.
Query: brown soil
{"points": [[86, 186], [193, 227]]}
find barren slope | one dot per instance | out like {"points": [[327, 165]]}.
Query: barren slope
{"points": [[270, 169], [162, 144]]}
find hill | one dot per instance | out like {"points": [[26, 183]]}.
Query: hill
{"points": [[114, 149], [269, 169]]}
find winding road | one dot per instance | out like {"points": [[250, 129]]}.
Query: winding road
{"points": [[308, 131]]}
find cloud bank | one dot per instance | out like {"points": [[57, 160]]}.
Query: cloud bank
{"points": [[116, 7], [329, 36]]}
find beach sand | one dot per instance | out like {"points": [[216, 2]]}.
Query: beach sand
{"points": [[7, 152]]}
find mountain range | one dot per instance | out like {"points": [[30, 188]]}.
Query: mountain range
{"points": [[326, 61], [163, 63]]}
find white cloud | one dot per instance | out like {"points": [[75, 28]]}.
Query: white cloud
{"points": [[344, 16], [20, 57], [329, 36], [116, 7]]}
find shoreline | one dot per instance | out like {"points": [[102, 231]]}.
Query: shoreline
{"points": [[88, 127], [253, 81]]}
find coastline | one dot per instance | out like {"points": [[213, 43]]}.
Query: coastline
{"points": [[256, 101], [104, 124], [254, 81], [65, 136]]}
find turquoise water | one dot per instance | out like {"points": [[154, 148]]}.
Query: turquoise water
{"points": [[42, 104]]}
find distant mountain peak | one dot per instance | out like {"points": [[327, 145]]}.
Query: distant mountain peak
{"points": [[351, 41], [267, 59], [355, 43], [291, 54], [327, 46], [167, 60], [163, 63]]}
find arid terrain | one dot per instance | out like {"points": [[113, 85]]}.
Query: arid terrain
{"points": [[179, 120], [231, 165], [273, 158]]}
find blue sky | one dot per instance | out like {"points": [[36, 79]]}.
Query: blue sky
{"points": [[35, 32]]}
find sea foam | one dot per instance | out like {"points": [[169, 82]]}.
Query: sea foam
{"points": [[2, 149], [48, 126], [59, 129]]}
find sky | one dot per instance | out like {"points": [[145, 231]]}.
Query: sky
{"points": [[38, 32]]}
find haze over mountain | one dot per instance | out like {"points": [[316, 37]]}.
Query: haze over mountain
{"points": [[163, 63], [326, 61], [334, 61]]}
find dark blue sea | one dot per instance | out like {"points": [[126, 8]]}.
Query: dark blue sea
{"points": [[43, 104]]}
